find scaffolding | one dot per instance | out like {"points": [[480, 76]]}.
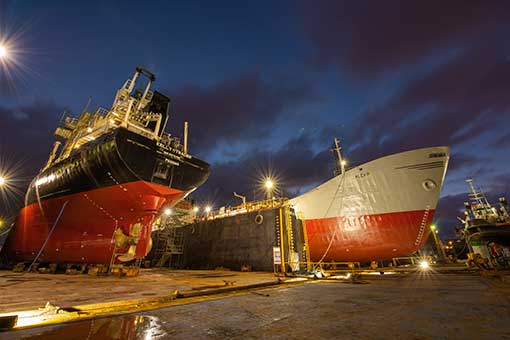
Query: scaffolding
{"points": [[169, 246]]}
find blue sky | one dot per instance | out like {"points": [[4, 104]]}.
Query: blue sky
{"points": [[271, 83]]}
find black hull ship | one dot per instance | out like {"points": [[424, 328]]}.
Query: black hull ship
{"points": [[115, 170]]}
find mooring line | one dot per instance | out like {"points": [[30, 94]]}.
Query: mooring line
{"points": [[49, 234]]}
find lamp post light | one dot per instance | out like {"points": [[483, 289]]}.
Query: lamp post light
{"points": [[269, 185], [3, 52], [2, 181], [207, 210]]}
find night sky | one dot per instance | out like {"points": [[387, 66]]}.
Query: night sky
{"points": [[266, 86]]}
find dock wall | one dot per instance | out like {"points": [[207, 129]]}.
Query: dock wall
{"points": [[243, 239]]}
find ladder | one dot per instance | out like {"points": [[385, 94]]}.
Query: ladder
{"points": [[170, 241]]}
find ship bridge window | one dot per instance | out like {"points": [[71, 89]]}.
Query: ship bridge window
{"points": [[162, 170]]}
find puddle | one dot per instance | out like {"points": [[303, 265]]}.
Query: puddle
{"points": [[128, 327]]}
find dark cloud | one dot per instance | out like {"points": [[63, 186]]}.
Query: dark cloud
{"points": [[499, 185], [455, 101], [295, 165], [501, 142], [370, 37], [240, 109], [449, 208], [26, 138], [28, 130], [454, 104]]}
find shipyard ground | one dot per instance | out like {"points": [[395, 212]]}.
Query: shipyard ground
{"points": [[431, 305]]}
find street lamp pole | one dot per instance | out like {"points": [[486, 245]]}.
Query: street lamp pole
{"points": [[437, 241]]}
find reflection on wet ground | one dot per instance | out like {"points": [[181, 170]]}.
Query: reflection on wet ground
{"points": [[127, 327]]}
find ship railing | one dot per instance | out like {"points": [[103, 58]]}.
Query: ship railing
{"points": [[102, 111], [98, 118], [248, 207], [66, 126], [68, 122], [167, 141], [140, 130], [98, 126]]}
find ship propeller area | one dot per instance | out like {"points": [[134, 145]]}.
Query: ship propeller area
{"points": [[123, 241]]}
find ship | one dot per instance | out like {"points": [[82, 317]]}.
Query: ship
{"points": [[486, 227], [110, 173], [378, 210]]}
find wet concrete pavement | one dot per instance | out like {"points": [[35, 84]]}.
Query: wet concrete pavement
{"points": [[408, 306], [22, 291]]}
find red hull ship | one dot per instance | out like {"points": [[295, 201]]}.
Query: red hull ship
{"points": [[96, 200], [378, 210]]}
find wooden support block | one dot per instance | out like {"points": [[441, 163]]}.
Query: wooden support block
{"points": [[18, 268], [53, 268]]}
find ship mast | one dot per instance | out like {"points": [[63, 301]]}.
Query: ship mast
{"points": [[483, 209], [477, 197], [340, 161]]}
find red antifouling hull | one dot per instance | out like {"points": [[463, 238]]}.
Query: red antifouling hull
{"points": [[84, 232], [365, 238]]}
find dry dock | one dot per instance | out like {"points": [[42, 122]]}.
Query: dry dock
{"points": [[402, 306]]}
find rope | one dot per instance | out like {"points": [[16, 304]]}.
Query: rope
{"points": [[340, 185], [49, 234]]}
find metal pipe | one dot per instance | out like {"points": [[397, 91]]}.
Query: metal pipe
{"points": [[158, 124], [133, 81], [144, 95], [128, 111], [241, 197], [282, 246], [185, 149]]}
